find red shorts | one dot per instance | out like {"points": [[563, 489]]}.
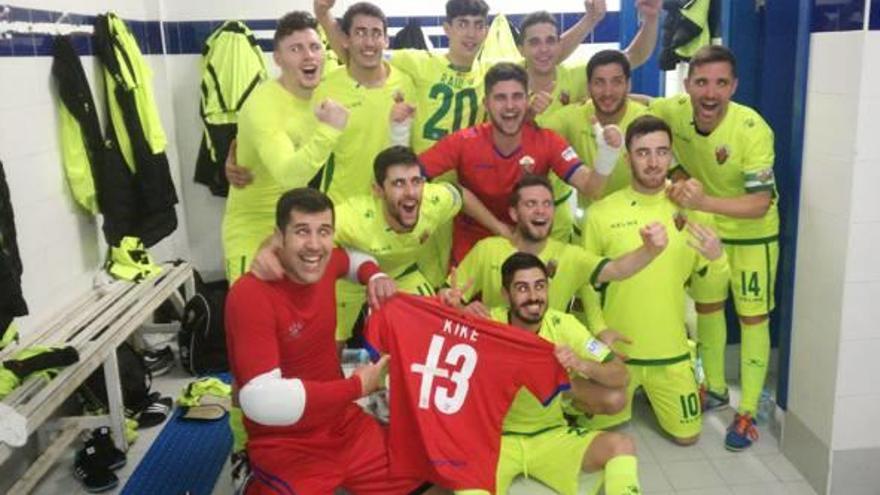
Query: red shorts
{"points": [[355, 458]]}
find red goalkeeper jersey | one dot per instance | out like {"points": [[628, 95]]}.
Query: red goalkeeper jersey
{"points": [[453, 378]]}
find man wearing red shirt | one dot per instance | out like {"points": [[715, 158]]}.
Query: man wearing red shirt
{"points": [[490, 158], [305, 434]]}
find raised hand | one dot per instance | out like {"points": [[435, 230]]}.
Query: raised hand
{"points": [[688, 194], [380, 288], [654, 238], [332, 114], [609, 142]]}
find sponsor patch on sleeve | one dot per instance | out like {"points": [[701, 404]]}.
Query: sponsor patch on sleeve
{"points": [[760, 180], [597, 349], [569, 154]]}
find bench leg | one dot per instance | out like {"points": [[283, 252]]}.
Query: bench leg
{"points": [[114, 400]]}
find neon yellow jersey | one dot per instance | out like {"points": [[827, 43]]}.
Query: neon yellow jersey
{"points": [[649, 306], [735, 159], [570, 268], [526, 413], [447, 98], [574, 123], [361, 224], [349, 171], [284, 145], [569, 90]]}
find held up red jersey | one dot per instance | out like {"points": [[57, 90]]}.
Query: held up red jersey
{"points": [[453, 378], [491, 176]]}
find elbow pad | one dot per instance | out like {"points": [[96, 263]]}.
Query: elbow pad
{"points": [[271, 400]]}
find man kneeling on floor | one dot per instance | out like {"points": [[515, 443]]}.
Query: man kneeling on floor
{"points": [[305, 433]]}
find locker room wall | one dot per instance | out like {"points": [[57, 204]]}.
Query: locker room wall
{"points": [[61, 247], [830, 430]]}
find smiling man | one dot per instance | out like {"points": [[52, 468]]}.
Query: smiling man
{"points": [[284, 137], [305, 431], [725, 152], [490, 158], [368, 87]]}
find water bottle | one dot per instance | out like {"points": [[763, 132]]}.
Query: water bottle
{"points": [[355, 356], [766, 408], [699, 372]]}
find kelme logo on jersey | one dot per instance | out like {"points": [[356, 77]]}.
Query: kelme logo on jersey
{"points": [[722, 153], [527, 163], [295, 329]]}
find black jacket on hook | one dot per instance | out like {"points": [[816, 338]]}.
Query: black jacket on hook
{"points": [[12, 302], [131, 110], [114, 182]]}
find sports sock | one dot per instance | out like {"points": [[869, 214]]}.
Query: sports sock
{"points": [[712, 332], [54, 358], [753, 361], [621, 476], [236, 424]]}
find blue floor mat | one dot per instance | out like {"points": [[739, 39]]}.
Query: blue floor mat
{"points": [[186, 456]]}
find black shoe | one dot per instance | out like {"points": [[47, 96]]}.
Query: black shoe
{"points": [[159, 361], [108, 455], [156, 412], [89, 469]]}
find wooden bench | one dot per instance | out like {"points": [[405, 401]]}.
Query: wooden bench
{"points": [[95, 325]]}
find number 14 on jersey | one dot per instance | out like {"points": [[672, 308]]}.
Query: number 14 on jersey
{"points": [[460, 356]]}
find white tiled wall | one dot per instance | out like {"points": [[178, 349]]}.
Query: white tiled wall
{"points": [[61, 247], [836, 336]]}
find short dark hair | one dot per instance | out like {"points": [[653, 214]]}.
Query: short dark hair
{"points": [[516, 262], [505, 71], [606, 57], [362, 8], [539, 17], [303, 200], [710, 54], [291, 22], [389, 157], [458, 8], [646, 124], [529, 180]]}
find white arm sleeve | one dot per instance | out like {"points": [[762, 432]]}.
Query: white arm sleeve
{"points": [[355, 260], [271, 400]]}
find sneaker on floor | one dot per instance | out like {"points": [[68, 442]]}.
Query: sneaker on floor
{"points": [[107, 454], [741, 433], [159, 361], [710, 400], [95, 477]]}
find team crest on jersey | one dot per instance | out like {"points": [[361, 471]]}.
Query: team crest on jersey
{"points": [[552, 266], [527, 163], [680, 218], [564, 97], [722, 153], [424, 237]]}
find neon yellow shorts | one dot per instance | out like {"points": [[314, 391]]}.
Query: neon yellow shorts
{"points": [[553, 457], [752, 277], [673, 392]]}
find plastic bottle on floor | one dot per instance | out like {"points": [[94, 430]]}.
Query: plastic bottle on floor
{"points": [[766, 408]]}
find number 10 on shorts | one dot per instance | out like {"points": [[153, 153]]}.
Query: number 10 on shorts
{"points": [[444, 401]]}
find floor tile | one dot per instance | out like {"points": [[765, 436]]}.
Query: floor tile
{"points": [[714, 490], [686, 475], [799, 488], [775, 488], [652, 479], [781, 467], [743, 470]]}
